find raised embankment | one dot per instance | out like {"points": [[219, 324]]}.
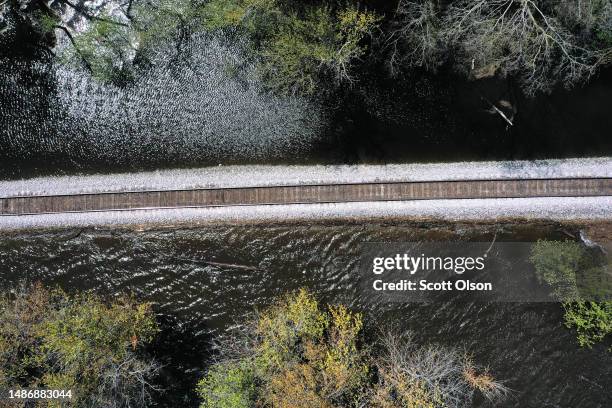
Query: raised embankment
{"points": [[556, 184], [306, 194]]}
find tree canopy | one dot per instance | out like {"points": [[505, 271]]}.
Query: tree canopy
{"points": [[299, 353], [80, 343], [310, 47], [578, 281]]}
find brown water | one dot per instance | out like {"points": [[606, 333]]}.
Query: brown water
{"points": [[524, 344]]}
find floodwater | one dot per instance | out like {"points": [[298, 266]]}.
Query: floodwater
{"points": [[190, 113], [524, 344]]}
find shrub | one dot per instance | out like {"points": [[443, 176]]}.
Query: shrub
{"points": [[318, 44], [228, 385], [301, 355], [592, 320], [284, 327], [556, 264], [310, 352], [417, 376], [51, 340], [576, 280], [257, 17]]}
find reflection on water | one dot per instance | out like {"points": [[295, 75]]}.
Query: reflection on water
{"points": [[186, 273], [208, 106]]}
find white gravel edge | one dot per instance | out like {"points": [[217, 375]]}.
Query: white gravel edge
{"points": [[260, 175], [546, 208]]}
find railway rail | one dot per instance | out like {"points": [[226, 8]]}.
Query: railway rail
{"points": [[304, 194]]}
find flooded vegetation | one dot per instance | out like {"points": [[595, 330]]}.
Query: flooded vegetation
{"points": [[185, 84], [208, 306], [201, 281]]}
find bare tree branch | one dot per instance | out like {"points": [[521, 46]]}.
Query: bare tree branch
{"points": [[85, 13], [77, 49], [517, 37], [413, 38]]}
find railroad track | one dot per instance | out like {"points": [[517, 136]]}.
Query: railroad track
{"points": [[304, 194]]}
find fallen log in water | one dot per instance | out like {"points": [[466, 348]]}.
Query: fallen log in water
{"points": [[220, 264]]}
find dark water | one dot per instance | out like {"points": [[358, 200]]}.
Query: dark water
{"points": [[189, 113], [524, 344]]}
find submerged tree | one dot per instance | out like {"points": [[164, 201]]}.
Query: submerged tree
{"points": [[584, 288], [520, 38], [158, 90], [298, 44], [303, 47], [415, 376], [556, 264], [307, 47], [298, 353], [541, 43], [95, 349], [414, 37]]}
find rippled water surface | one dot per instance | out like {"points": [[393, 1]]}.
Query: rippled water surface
{"points": [[525, 344], [209, 107]]}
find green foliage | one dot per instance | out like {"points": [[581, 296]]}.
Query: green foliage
{"points": [[51, 340], [605, 36], [158, 21], [556, 263], [593, 19], [282, 327], [592, 320], [257, 17], [310, 47], [310, 353], [110, 45], [297, 354], [85, 332], [299, 46], [106, 47], [572, 270], [228, 385], [48, 22], [574, 276], [19, 321], [602, 10], [301, 352]]}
